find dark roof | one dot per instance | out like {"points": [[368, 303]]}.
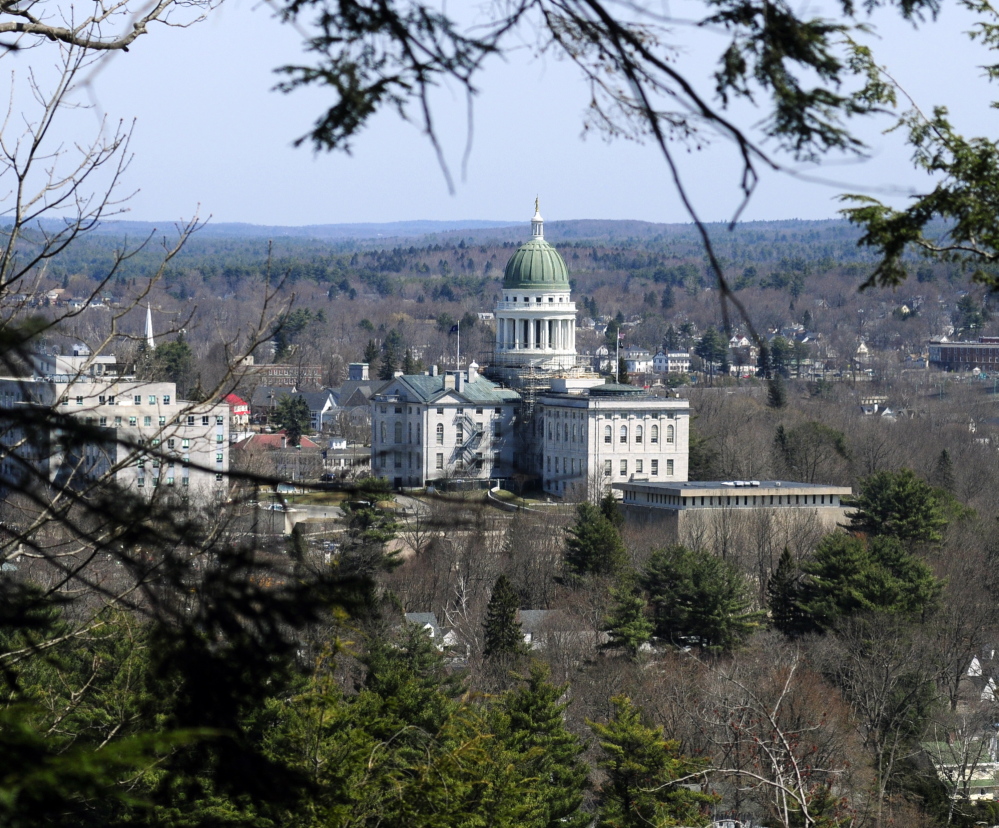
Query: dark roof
{"points": [[427, 389]]}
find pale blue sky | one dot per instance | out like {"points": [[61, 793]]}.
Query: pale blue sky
{"points": [[210, 132]]}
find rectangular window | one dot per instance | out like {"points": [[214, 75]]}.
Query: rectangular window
{"points": [[461, 410], [190, 419], [169, 481], [141, 481], [639, 466], [110, 400], [624, 467], [219, 420], [156, 462], [162, 421], [142, 462], [440, 460], [218, 477], [152, 399], [166, 399], [219, 438], [137, 399], [185, 481], [478, 410], [132, 421], [185, 443], [65, 400], [669, 467], [497, 410], [608, 470], [398, 409], [101, 399], [460, 434], [117, 422], [204, 420], [655, 467], [147, 421], [156, 441], [156, 482], [218, 457], [187, 459], [79, 400], [440, 410], [104, 421], [171, 443]]}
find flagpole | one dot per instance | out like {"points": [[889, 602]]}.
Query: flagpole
{"points": [[617, 364], [457, 358]]}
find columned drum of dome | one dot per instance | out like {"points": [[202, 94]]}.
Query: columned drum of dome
{"points": [[536, 317]]}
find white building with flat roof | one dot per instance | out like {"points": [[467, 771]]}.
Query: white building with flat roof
{"points": [[136, 434]]}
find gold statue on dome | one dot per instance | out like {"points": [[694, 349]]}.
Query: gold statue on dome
{"points": [[536, 210]]}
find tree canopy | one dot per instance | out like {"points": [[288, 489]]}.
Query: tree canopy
{"points": [[900, 505]]}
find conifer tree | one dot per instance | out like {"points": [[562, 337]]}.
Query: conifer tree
{"points": [[943, 472], [699, 599], [783, 595], [535, 731], [594, 546], [371, 352], [503, 636], [627, 624], [899, 504], [641, 767], [611, 509]]}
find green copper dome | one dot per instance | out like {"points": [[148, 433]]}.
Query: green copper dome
{"points": [[536, 266]]}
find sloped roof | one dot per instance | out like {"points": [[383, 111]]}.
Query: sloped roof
{"points": [[233, 400], [427, 389], [273, 441]]}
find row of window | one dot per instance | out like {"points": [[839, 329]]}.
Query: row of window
{"points": [[440, 410], [439, 432], [103, 399], [569, 466], [184, 481], [742, 500]]}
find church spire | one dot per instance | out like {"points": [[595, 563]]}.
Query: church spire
{"points": [[537, 223], [150, 341]]}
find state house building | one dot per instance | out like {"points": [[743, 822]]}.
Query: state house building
{"points": [[536, 411]]}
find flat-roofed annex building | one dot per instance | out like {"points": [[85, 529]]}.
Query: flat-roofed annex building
{"points": [[143, 436], [965, 356], [674, 504], [431, 427], [594, 436]]}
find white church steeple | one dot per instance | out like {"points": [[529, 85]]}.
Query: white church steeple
{"points": [[150, 341]]}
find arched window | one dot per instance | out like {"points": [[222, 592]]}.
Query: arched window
{"points": [[669, 434], [638, 434], [624, 434], [565, 433], [654, 437], [440, 434], [384, 432], [398, 432], [607, 434]]}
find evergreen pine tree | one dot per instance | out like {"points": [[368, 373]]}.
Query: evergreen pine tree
{"points": [[776, 392], [390, 362], [547, 751], [627, 624], [594, 546], [503, 636], [610, 508], [410, 365], [943, 472], [641, 767], [371, 352], [783, 594]]}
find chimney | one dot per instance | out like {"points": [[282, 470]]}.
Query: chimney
{"points": [[448, 381], [433, 370], [459, 380]]}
